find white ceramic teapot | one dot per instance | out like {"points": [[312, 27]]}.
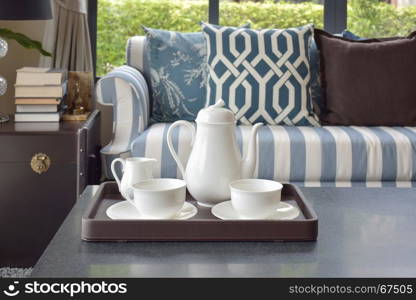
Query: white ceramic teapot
{"points": [[215, 159]]}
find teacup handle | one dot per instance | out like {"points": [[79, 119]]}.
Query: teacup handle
{"points": [[113, 170], [170, 145]]}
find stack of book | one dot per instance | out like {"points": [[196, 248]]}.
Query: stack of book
{"points": [[39, 94]]}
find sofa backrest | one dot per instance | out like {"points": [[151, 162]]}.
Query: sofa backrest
{"points": [[136, 57], [136, 54]]}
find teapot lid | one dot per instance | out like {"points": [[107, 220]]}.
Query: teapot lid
{"points": [[216, 114]]}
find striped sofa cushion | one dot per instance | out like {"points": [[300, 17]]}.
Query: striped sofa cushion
{"points": [[310, 156]]}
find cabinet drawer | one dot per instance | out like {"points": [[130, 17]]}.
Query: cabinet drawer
{"points": [[21, 148]]}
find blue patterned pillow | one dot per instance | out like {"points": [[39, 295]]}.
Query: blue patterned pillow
{"points": [[349, 35], [178, 74], [262, 75], [316, 92]]}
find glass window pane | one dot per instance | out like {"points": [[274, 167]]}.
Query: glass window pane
{"points": [[374, 18], [117, 20], [271, 14]]}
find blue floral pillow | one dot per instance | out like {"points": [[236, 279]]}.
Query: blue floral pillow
{"points": [[178, 74], [316, 92]]}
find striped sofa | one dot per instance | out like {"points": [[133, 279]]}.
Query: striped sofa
{"points": [[309, 156]]}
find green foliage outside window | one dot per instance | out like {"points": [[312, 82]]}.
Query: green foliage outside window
{"points": [[121, 19], [372, 18]]}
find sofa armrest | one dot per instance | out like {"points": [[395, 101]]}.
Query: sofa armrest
{"points": [[126, 90]]}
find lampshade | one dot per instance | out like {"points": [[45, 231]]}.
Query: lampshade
{"points": [[25, 10]]}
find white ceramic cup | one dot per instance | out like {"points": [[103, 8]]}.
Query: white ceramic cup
{"points": [[255, 198], [160, 198]]}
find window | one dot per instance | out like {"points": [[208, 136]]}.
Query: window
{"points": [[374, 18], [112, 22], [271, 14], [117, 20]]}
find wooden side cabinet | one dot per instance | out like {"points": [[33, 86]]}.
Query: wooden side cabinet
{"points": [[44, 167]]}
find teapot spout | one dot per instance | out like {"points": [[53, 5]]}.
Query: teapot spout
{"points": [[248, 164]]}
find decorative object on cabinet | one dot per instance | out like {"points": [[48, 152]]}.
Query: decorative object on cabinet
{"points": [[79, 100]]}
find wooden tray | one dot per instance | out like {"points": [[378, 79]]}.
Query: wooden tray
{"points": [[96, 226]]}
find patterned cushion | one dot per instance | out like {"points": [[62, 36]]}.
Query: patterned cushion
{"points": [[349, 35], [263, 76], [311, 156], [316, 92], [178, 74]]}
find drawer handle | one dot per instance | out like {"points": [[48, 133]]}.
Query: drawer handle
{"points": [[40, 163]]}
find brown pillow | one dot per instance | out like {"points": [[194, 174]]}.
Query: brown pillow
{"points": [[368, 82]]}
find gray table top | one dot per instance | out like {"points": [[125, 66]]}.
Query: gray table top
{"points": [[363, 232]]}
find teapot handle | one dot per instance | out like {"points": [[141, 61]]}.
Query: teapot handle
{"points": [[170, 145]]}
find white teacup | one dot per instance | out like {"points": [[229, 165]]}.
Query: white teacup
{"points": [[255, 198], [160, 198]]}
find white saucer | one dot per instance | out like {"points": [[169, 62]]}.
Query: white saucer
{"points": [[225, 211], [124, 210]]}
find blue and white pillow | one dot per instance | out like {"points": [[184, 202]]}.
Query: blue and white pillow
{"points": [[178, 74], [262, 75]]}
